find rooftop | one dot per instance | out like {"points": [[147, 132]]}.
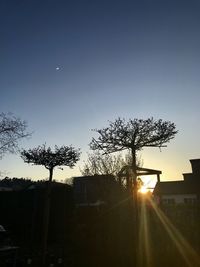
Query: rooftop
{"points": [[177, 187]]}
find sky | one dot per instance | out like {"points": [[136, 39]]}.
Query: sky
{"points": [[67, 67]]}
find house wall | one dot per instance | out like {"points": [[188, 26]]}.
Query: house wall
{"points": [[179, 199], [195, 163]]}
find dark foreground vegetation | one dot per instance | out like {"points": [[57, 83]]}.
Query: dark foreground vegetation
{"points": [[99, 235]]}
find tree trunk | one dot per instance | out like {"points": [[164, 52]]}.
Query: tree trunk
{"points": [[135, 205], [47, 202]]}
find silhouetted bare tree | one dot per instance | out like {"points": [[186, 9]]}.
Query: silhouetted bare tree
{"points": [[102, 164], [133, 135], [42, 155], [12, 130]]}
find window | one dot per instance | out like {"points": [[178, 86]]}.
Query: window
{"points": [[189, 200], [169, 201]]}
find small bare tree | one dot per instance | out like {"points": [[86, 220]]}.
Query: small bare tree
{"points": [[12, 130], [106, 164], [100, 164], [42, 155]]}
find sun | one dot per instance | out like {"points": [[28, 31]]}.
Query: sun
{"points": [[143, 190]]}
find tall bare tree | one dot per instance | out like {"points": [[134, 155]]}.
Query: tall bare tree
{"points": [[12, 130], [42, 155], [133, 135]]}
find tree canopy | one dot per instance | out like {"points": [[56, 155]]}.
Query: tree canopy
{"points": [[12, 130], [133, 134], [45, 156]]}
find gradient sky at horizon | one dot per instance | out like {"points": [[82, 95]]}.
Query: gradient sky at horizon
{"points": [[70, 66]]}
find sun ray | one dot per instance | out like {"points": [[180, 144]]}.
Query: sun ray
{"points": [[145, 255], [188, 253]]}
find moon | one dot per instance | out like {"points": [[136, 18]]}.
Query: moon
{"points": [[57, 68]]}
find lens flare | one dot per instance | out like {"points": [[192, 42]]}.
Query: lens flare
{"points": [[189, 255]]}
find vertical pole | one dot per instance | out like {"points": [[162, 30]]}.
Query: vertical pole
{"points": [[135, 205], [158, 178], [15, 258], [159, 201], [33, 222], [47, 201]]}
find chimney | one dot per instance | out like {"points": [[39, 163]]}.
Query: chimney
{"points": [[195, 166]]}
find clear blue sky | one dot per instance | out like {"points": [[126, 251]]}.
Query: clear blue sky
{"points": [[115, 58]]}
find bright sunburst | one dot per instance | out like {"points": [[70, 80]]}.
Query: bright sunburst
{"points": [[143, 190]]}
